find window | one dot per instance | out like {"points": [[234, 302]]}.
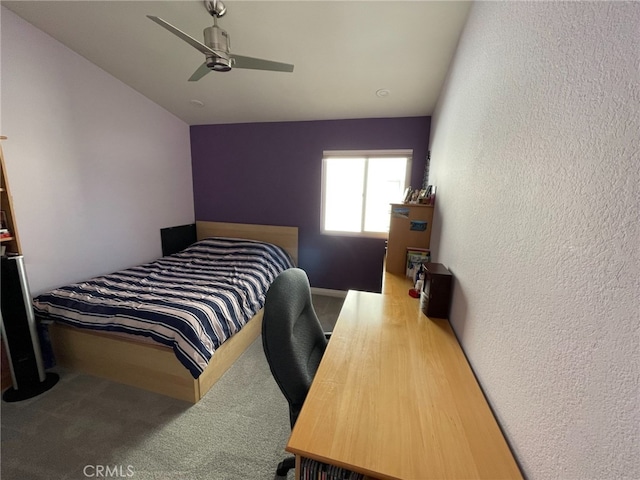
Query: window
{"points": [[357, 188]]}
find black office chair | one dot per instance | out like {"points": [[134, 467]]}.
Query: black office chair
{"points": [[293, 341]]}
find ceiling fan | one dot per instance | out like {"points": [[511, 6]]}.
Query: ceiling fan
{"points": [[216, 47]]}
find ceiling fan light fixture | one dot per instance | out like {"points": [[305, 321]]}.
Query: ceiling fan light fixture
{"points": [[219, 64], [220, 67]]}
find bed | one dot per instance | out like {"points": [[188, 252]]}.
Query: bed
{"points": [[141, 361]]}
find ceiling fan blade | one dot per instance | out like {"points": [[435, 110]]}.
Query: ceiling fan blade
{"points": [[200, 72], [238, 61], [187, 38]]}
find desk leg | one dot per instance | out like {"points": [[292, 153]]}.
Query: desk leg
{"points": [[298, 467]]}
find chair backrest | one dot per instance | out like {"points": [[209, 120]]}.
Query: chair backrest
{"points": [[292, 337]]}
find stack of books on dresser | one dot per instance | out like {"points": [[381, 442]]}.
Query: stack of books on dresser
{"points": [[314, 470]]}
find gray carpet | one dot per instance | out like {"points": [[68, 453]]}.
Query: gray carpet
{"points": [[237, 431]]}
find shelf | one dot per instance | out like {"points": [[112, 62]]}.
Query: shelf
{"points": [[10, 244], [410, 227]]}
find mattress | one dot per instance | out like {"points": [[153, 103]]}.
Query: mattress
{"points": [[192, 301]]}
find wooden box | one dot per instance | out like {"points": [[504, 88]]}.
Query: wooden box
{"points": [[435, 299]]}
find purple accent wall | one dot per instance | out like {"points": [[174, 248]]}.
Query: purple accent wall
{"points": [[270, 173]]}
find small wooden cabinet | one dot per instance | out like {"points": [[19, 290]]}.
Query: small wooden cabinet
{"points": [[410, 227], [435, 299]]}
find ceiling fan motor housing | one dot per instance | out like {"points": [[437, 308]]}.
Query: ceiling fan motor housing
{"points": [[217, 39]]}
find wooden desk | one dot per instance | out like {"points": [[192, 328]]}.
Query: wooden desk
{"points": [[394, 397]]}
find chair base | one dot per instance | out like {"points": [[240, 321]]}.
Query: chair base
{"points": [[285, 465]]}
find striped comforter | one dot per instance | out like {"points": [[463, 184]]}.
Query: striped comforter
{"points": [[192, 301]]}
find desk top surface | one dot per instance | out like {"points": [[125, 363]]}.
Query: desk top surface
{"points": [[395, 398]]}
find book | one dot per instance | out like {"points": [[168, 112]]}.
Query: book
{"points": [[4, 224], [415, 257], [314, 470]]}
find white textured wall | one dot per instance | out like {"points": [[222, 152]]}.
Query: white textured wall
{"points": [[95, 168], [536, 156]]}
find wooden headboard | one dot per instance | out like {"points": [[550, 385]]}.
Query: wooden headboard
{"points": [[285, 237]]}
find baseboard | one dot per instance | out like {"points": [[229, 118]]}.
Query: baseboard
{"points": [[327, 292]]}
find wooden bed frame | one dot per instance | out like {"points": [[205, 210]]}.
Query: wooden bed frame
{"points": [[155, 367]]}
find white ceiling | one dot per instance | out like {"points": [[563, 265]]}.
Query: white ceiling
{"points": [[343, 52]]}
